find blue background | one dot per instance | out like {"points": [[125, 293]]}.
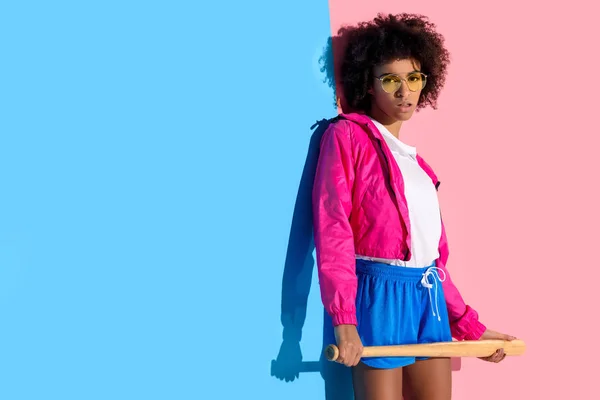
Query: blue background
{"points": [[151, 155]]}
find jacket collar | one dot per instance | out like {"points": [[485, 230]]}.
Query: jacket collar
{"points": [[365, 121]]}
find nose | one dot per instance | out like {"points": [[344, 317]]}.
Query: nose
{"points": [[403, 91]]}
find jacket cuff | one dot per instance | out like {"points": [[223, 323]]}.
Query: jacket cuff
{"points": [[344, 318], [468, 326], [476, 331]]}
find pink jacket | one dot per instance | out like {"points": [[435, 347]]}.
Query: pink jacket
{"points": [[359, 208]]}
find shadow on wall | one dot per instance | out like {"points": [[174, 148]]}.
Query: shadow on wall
{"points": [[299, 262], [297, 278]]}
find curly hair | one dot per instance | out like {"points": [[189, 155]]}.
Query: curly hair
{"points": [[385, 39]]}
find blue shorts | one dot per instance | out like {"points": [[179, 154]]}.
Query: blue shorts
{"points": [[399, 305]]}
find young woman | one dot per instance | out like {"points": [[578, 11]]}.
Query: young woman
{"points": [[380, 241]]}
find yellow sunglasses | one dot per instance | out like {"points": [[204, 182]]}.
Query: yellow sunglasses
{"points": [[390, 83]]}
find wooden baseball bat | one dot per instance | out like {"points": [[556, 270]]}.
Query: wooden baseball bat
{"points": [[466, 348]]}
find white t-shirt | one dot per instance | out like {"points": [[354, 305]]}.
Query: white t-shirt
{"points": [[423, 205]]}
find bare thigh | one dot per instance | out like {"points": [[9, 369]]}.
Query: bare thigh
{"points": [[428, 380], [376, 384]]}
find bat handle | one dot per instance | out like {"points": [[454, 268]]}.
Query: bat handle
{"points": [[332, 352]]}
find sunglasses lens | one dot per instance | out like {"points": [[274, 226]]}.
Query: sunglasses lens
{"points": [[390, 83], [416, 81]]}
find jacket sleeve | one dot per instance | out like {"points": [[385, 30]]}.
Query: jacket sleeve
{"points": [[334, 241]]}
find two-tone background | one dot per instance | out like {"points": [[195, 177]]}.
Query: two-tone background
{"points": [[151, 155]]}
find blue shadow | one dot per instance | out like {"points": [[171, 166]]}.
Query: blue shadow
{"points": [[296, 285]]}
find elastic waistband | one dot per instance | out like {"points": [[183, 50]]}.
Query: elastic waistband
{"points": [[378, 269]]}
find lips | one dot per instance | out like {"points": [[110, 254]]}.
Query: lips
{"points": [[405, 107]]}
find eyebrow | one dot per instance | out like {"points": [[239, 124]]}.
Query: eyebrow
{"points": [[393, 73]]}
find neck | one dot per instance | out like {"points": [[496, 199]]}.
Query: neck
{"points": [[393, 125]]}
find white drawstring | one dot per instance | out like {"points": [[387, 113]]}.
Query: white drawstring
{"points": [[429, 286]]}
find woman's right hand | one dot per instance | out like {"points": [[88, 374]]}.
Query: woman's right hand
{"points": [[349, 345]]}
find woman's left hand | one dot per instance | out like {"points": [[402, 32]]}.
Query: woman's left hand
{"points": [[499, 355]]}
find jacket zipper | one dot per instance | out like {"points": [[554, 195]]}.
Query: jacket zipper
{"points": [[396, 199]]}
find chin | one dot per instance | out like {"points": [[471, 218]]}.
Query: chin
{"points": [[403, 116]]}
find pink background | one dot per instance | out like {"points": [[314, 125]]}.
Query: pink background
{"points": [[515, 144]]}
